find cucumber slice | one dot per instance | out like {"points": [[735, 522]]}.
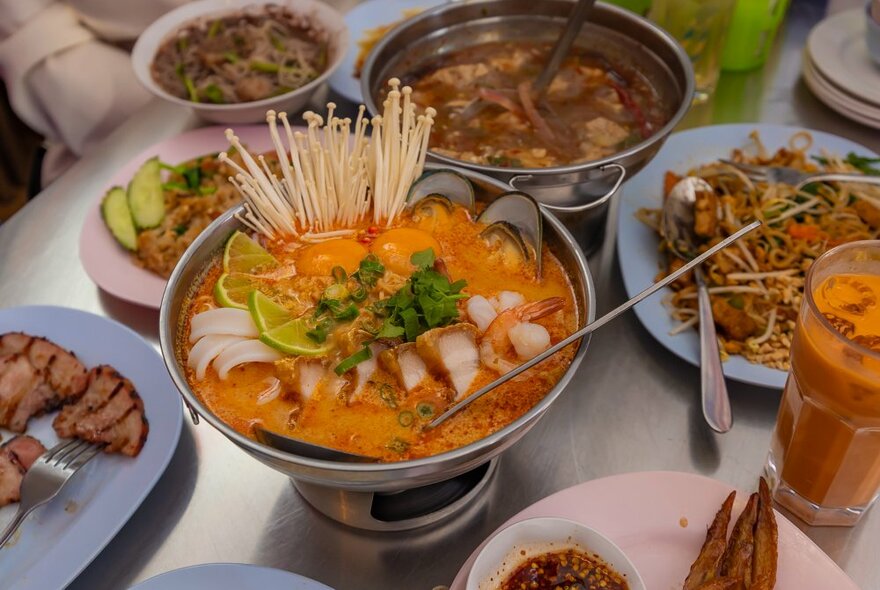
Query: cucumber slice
{"points": [[117, 216], [145, 196]]}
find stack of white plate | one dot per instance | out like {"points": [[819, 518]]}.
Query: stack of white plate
{"points": [[839, 70]]}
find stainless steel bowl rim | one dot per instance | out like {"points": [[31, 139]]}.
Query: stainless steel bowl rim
{"points": [[658, 135], [168, 327]]}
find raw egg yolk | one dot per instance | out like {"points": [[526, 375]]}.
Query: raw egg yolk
{"points": [[319, 259], [395, 247]]}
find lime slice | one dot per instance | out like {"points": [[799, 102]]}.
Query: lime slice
{"points": [[291, 338], [233, 289], [244, 255], [266, 313]]}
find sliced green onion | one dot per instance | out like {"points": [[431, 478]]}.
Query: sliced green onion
{"points": [[216, 27], [352, 361], [213, 93], [265, 67], [231, 56], [207, 190], [359, 293], [405, 418], [348, 314], [320, 331], [337, 292], [425, 410], [167, 186], [386, 394], [276, 43], [339, 274], [191, 89], [398, 445]]}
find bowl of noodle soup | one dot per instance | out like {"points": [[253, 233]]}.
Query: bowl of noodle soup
{"points": [[232, 60]]}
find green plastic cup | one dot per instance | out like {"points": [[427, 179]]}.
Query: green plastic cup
{"points": [[751, 34]]}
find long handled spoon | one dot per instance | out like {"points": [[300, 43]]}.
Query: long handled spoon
{"points": [[678, 229], [589, 328]]}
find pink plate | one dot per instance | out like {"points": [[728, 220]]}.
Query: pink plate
{"points": [[109, 265], [659, 519]]}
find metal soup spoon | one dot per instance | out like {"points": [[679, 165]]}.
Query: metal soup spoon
{"points": [[589, 328], [302, 448], [678, 225]]}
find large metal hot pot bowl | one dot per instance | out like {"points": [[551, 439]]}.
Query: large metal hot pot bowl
{"points": [[577, 193], [373, 477]]}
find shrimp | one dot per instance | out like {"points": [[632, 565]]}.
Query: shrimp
{"points": [[496, 349]]}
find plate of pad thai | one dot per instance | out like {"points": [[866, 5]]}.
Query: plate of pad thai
{"points": [[756, 286]]}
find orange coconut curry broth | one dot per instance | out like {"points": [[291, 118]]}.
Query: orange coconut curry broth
{"points": [[500, 317]]}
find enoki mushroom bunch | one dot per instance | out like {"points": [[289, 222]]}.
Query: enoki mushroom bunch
{"points": [[334, 175]]}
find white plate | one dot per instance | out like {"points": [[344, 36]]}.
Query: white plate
{"points": [[840, 102], [108, 264], [637, 243], [364, 16], [229, 576], [839, 50], [59, 539], [659, 519]]}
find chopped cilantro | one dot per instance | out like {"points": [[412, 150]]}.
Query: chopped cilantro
{"points": [[427, 300], [181, 229]]}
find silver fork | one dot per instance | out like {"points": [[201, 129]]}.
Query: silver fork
{"points": [[798, 178], [47, 476]]}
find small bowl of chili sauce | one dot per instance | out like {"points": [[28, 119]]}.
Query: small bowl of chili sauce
{"points": [[550, 553]]}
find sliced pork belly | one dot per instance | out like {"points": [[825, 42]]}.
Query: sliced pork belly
{"points": [[64, 373], [301, 375], [16, 457], [110, 412], [405, 364], [363, 372], [452, 353]]}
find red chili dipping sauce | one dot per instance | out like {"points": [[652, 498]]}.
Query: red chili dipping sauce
{"points": [[571, 569]]}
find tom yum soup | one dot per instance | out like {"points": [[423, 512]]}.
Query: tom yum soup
{"points": [[592, 109], [366, 298], [241, 57]]}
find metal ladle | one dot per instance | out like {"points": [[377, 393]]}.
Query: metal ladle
{"points": [[678, 231], [576, 19], [589, 328]]}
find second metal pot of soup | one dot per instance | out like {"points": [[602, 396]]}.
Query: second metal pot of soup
{"points": [[630, 51]]}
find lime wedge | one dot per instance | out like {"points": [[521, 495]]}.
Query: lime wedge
{"points": [[266, 313], [291, 338], [244, 255], [233, 289]]}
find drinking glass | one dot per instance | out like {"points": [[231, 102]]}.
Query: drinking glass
{"points": [[701, 28], [824, 461]]}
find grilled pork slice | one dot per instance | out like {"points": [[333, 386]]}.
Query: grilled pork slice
{"points": [[405, 364], [16, 457], [37, 377], [452, 353], [17, 378], [64, 373], [109, 412]]}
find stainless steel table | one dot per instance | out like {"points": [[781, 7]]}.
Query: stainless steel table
{"points": [[632, 406]]}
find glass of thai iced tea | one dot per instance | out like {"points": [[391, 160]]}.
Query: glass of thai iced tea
{"points": [[824, 458]]}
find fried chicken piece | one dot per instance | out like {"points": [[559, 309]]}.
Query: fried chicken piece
{"points": [[735, 323], [720, 584], [766, 555], [707, 565], [868, 212], [737, 560], [706, 214], [110, 412]]}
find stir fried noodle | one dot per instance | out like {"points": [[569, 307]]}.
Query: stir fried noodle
{"points": [[756, 286]]}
